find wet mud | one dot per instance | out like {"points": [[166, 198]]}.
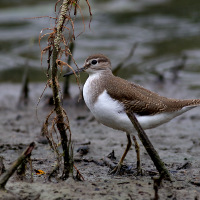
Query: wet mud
{"points": [[178, 144]]}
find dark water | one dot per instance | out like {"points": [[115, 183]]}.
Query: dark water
{"points": [[166, 32]]}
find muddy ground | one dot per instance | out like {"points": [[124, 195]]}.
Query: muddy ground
{"points": [[178, 144]]}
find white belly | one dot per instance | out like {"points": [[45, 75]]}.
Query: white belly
{"points": [[111, 113], [108, 112]]}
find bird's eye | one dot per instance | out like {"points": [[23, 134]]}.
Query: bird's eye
{"points": [[94, 62]]}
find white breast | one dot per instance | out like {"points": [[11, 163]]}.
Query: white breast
{"points": [[88, 91], [106, 110]]}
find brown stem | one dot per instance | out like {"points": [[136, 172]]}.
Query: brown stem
{"points": [[125, 60], [149, 147], [5, 176], [24, 95], [2, 167], [60, 116], [68, 161], [66, 80]]}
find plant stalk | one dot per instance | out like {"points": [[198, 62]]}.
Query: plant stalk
{"points": [[55, 89], [5, 176], [160, 166]]}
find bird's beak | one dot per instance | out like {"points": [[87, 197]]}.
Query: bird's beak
{"points": [[74, 72]]}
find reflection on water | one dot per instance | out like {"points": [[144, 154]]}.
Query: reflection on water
{"points": [[165, 30]]}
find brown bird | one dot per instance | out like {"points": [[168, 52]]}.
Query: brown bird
{"points": [[109, 98]]}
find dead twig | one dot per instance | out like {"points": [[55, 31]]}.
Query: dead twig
{"points": [[60, 122], [121, 64], [156, 186], [109, 163], [193, 182], [54, 171], [5, 177], [2, 167], [160, 166], [24, 95], [83, 143], [79, 176], [67, 79], [186, 165]]}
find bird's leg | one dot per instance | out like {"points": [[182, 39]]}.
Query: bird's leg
{"points": [[137, 150], [116, 170]]}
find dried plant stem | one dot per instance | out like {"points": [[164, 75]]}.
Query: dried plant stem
{"points": [[24, 96], [2, 167], [55, 88], [5, 176], [125, 60], [160, 166], [67, 79], [60, 24]]}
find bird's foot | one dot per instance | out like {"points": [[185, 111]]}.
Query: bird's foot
{"points": [[117, 170], [121, 169], [139, 171]]}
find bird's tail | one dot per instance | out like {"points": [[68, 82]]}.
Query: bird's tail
{"points": [[192, 102], [188, 104]]}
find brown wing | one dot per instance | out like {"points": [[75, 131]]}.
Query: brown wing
{"points": [[142, 101]]}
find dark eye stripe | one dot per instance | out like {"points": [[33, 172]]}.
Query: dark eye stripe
{"points": [[102, 60]]}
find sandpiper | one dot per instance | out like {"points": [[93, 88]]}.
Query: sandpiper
{"points": [[109, 98]]}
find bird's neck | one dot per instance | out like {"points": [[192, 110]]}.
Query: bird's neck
{"points": [[99, 73], [96, 84]]}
